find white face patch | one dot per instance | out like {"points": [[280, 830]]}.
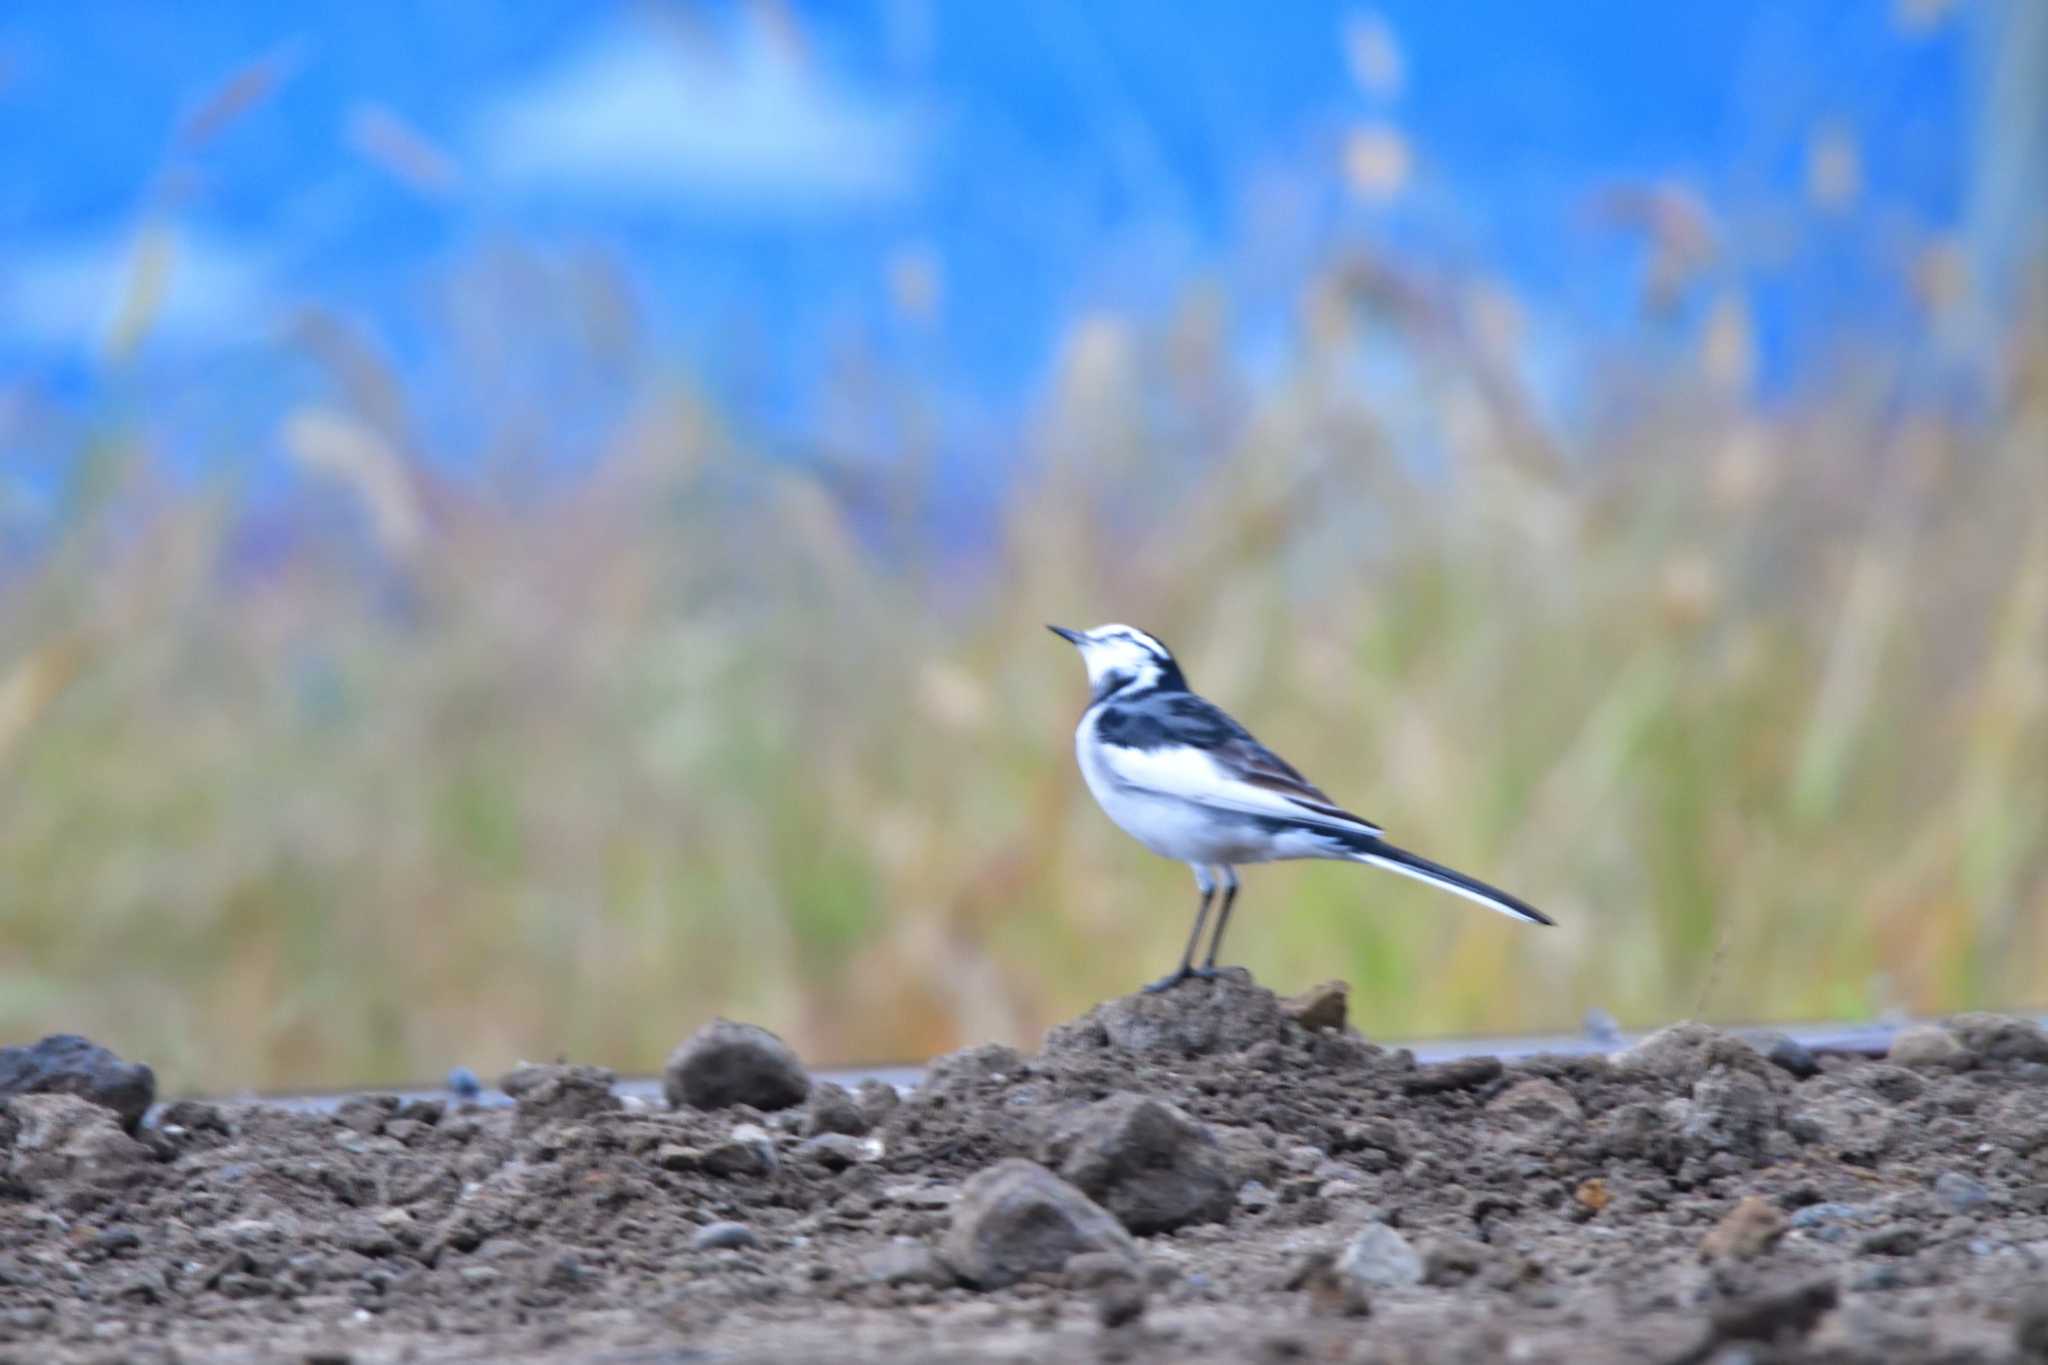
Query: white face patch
{"points": [[1121, 650]]}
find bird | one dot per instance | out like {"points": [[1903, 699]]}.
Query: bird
{"points": [[1180, 776]]}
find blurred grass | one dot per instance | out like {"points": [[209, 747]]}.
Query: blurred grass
{"points": [[1753, 701], [1752, 697]]}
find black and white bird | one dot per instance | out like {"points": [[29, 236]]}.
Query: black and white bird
{"points": [[1188, 782]]}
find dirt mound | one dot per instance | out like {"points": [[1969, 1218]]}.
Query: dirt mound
{"points": [[1189, 1176]]}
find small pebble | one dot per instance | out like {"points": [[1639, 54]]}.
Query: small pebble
{"points": [[724, 1236], [463, 1084], [1959, 1193]]}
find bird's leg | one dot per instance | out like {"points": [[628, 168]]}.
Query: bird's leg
{"points": [[1186, 969], [1222, 921]]}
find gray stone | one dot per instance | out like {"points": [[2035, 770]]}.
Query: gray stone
{"points": [[64, 1137], [1788, 1054], [366, 1114], [877, 1098], [1466, 1073], [1960, 1193], [1925, 1045], [1823, 1215], [1380, 1258], [727, 1063], [1687, 1051], [1858, 1126], [2030, 1325], [837, 1151], [66, 1064], [725, 1236], [2000, 1037], [832, 1110], [749, 1151], [1731, 1112], [1535, 1115], [905, 1260], [556, 1093], [1016, 1218], [1145, 1161]]}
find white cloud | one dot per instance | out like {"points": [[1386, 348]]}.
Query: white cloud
{"points": [[71, 295], [636, 116]]}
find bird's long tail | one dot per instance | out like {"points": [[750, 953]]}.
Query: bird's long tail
{"points": [[1366, 848]]}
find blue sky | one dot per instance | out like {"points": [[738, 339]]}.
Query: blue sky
{"points": [[763, 175]]}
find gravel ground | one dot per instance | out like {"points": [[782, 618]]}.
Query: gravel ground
{"points": [[1209, 1174]]}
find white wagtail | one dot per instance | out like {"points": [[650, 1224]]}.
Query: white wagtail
{"points": [[1191, 784]]}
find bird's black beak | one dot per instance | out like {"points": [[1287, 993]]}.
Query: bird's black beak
{"points": [[1072, 637]]}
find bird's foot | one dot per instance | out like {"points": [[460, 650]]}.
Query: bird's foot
{"points": [[1172, 979]]}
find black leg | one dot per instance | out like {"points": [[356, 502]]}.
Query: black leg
{"points": [[1222, 923], [1186, 968]]}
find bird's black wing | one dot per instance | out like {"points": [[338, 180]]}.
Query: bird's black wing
{"points": [[1163, 720]]}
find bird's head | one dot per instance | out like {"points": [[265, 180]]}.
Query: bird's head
{"points": [[1118, 657]]}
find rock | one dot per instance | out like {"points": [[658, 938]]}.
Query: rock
{"points": [[1329, 1293], [1858, 1126], [749, 1151], [1145, 1161], [61, 1136], [1641, 1132], [1016, 1218], [1744, 1232], [2030, 1326], [920, 1195], [1380, 1258], [66, 1064], [366, 1114], [724, 1236], [877, 1099], [1453, 1260], [555, 1092], [1731, 1112], [1775, 1316], [1467, 1073], [2000, 1037], [1926, 1045], [1319, 1007], [971, 1068], [1895, 1083], [1534, 1115], [837, 1151], [1829, 1222], [726, 1063], [1788, 1054], [1960, 1193], [905, 1260], [1900, 1239], [194, 1116], [1119, 1288], [1093, 1269], [832, 1110], [1537, 1100], [1685, 1052], [463, 1084], [1228, 1013]]}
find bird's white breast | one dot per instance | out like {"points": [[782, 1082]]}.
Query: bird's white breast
{"points": [[1171, 826]]}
